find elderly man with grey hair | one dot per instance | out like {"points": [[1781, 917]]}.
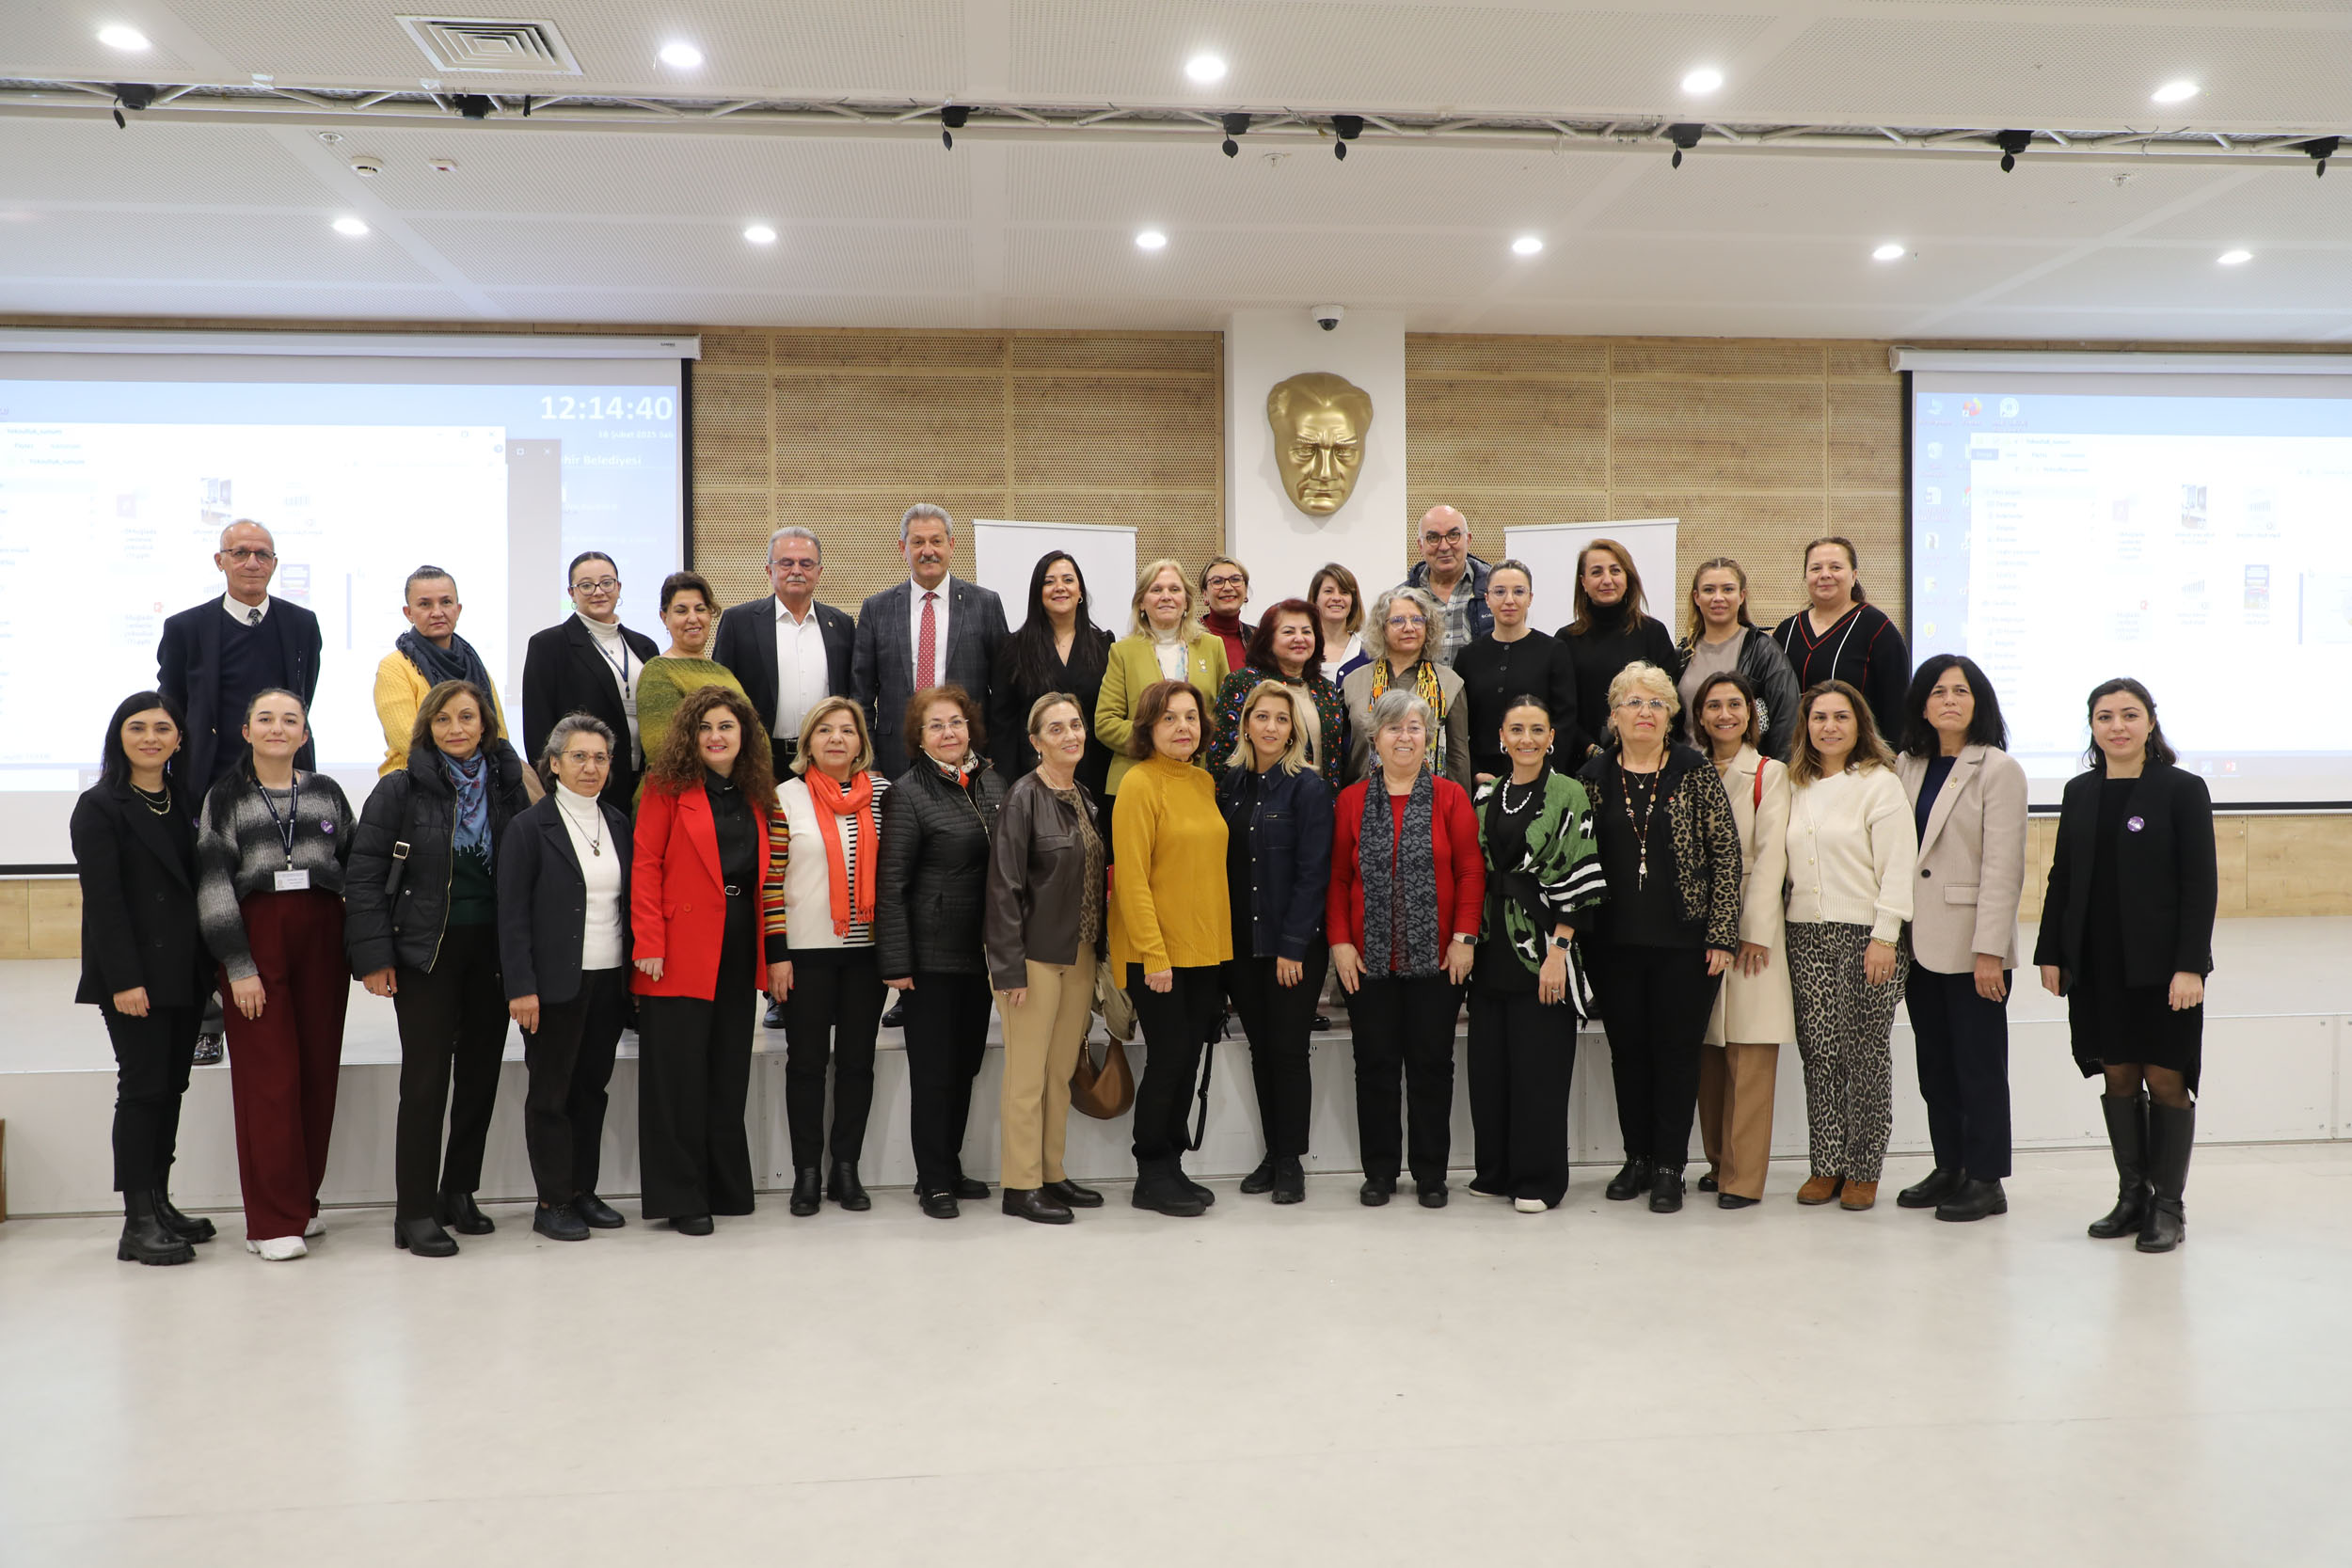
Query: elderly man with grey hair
{"points": [[788, 651], [932, 630], [1455, 579]]}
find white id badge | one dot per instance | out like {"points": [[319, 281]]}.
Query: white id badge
{"points": [[294, 882]]}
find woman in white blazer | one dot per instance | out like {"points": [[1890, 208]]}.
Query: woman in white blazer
{"points": [[1753, 1014], [1968, 803]]}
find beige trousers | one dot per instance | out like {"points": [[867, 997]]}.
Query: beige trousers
{"points": [[1735, 1092], [1042, 1038]]}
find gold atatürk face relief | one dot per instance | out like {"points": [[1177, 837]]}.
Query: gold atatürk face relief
{"points": [[1319, 423]]}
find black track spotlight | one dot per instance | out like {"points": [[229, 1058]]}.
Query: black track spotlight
{"points": [[1685, 135], [2319, 150], [1235, 125], [474, 106], [133, 96], [1347, 128], [2012, 143], [952, 118]]}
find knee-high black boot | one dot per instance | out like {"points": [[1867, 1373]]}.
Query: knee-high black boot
{"points": [[2127, 1135], [2171, 1132]]}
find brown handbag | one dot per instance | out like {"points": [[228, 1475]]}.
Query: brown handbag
{"points": [[1105, 1092]]}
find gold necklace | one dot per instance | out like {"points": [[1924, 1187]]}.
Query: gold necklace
{"points": [[149, 801]]}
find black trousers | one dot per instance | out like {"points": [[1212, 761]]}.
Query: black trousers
{"points": [[152, 1059], [1408, 1024], [570, 1059], [1655, 1003], [1175, 1022], [832, 1016], [1963, 1045], [1279, 1019], [947, 1039], [693, 1076], [1522, 1052], [453, 1033]]}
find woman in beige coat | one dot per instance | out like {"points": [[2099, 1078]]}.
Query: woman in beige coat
{"points": [[1968, 799], [1753, 1014]]}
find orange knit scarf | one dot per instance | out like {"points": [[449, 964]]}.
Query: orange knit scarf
{"points": [[833, 803]]}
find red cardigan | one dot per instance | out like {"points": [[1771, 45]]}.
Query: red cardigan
{"points": [[1461, 866], [676, 898]]}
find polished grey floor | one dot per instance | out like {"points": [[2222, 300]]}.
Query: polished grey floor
{"points": [[1320, 1385]]}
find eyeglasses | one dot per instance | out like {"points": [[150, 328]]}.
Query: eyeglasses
{"points": [[1229, 581], [595, 585], [945, 726], [1406, 622], [586, 759], [247, 552], [1450, 536], [1643, 704]]}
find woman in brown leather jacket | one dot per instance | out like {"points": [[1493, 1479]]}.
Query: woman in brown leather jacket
{"points": [[1043, 927]]}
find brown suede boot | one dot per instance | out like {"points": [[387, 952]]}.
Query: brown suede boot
{"points": [[1859, 1195], [1818, 1188]]}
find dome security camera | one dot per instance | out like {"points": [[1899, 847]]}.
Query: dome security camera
{"points": [[1327, 316]]}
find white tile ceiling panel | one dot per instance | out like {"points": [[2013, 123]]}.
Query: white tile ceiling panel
{"points": [[175, 300], [103, 246], [2285, 205], [735, 308], [776, 180], [1299, 266], [1677, 319], [1341, 56], [213, 165], [655, 258], [60, 43], [772, 46], [1059, 312], [1913, 200], [2181, 326], [2157, 278], [1762, 274], [2000, 69], [1180, 186]]}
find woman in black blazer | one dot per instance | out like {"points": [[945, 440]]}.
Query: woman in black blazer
{"points": [[590, 663], [2127, 938], [563, 951], [143, 963]]}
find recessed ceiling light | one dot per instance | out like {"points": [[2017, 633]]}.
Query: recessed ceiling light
{"points": [[2174, 92], [123, 38], [1526, 244], [350, 226], [1705, 79], [683, 57], [1890, 251], [2232, 257], [1150, 239], [1205, 68], [759, 233]]}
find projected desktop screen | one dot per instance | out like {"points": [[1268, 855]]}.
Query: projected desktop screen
{"points": [[2194, 532], [118, 474]]}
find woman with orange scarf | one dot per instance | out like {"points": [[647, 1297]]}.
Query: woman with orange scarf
{"points": [[698, 884], [827, 833]]}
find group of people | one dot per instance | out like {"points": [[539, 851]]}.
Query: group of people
{"points": [[1715, 844]]}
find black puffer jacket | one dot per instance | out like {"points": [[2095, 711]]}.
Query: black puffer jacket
{"points": [[396, 901], [932, 884]]}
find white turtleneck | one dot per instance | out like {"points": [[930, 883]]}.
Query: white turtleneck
{"points": [[600, 869]]}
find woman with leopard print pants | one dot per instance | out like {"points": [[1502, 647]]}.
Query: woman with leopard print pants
{"points": [[1851, 848]]}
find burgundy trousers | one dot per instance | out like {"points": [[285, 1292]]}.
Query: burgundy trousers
{"points": [[282, 1065]]}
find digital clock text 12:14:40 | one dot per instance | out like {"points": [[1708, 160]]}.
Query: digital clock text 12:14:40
{"points": [[614, 407]]}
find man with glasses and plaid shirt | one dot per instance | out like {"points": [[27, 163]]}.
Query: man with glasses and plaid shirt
{"points": [[1455, 579]]}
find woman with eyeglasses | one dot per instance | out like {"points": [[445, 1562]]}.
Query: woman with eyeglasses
{"points": [[930, 897], [1670, 853], [590, 663], [1399, 636], [1613, 629]]}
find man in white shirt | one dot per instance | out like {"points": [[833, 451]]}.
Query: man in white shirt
{"points": [[932, 630], [788, 651]]}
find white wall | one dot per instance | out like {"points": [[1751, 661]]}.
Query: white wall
{"points": [[1280, 545]]}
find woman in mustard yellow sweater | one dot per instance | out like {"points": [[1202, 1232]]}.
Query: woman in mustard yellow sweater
{"points": [[1171, 929]]}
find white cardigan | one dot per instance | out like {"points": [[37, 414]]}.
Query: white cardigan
{"points": [[1852, 851]]}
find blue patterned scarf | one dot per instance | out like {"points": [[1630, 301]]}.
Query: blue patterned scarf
{"points": [[470, 780]]}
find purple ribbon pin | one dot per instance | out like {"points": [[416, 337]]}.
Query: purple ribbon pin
{"points": [[2134, 823], [326, 824]]}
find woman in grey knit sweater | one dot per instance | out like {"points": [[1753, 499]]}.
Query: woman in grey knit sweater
{"points": [[271, 846]]}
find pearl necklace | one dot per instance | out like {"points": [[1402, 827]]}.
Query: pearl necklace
{"points": [[1535, 792]]}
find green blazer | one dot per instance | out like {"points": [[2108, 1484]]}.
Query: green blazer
{"points": [[1135, 665]]}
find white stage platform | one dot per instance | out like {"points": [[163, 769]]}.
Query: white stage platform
{"points": [[2278, 1046]]}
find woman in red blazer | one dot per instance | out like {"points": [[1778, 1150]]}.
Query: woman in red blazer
{"points": [[701, 863], [1409, 886]]}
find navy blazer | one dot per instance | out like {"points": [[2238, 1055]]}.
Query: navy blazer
{"points": [[746, 644], [543, 900], [138, 902], [2164, 870], [565, 671], [187, 670], [881, 669], [1290, 857]]}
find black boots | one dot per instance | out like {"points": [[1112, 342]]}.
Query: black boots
{"points": [[1973, 1200], [2171, 1132], [1290, 1181], [189, 1228], [2127, 1135], [1160, 1187], [1634, 1180], [423, 1237], [1666, 1190], [1261, 1180], [808, 1189], [459, 1211], [146, 1239], [1940, 1184], [845, 1189]]}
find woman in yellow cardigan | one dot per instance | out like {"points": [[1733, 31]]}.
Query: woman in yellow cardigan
{"points": [[427, 654], [1171, 929], [1165, 642]]}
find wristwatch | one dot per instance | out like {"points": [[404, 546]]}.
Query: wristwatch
{"points": [[1561, 942], [1467, 939]]}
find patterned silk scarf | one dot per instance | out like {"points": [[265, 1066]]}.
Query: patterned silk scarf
{"points": [[471, 781], [1426, 687], [1398, 863], [833, 802]]}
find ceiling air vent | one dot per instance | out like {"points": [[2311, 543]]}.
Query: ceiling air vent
{"points": [[498, 44]]}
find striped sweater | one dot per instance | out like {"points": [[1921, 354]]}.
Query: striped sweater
{"points": [[240, 850], [806, 892]]}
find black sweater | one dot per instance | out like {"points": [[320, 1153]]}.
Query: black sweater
{"points": [[1860, 648], [1598, 656], [1494, 674]]}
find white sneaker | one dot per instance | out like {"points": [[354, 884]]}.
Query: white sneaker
{"points": [[316, 1228], [279, 1249], [1528, 1205]]}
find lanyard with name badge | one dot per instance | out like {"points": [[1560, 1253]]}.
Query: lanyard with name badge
{"points": [[289, 879]]}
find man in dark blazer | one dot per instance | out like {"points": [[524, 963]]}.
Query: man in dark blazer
{"points": [[589, 663], [213, 657], [967, 621], [761, 640]]}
